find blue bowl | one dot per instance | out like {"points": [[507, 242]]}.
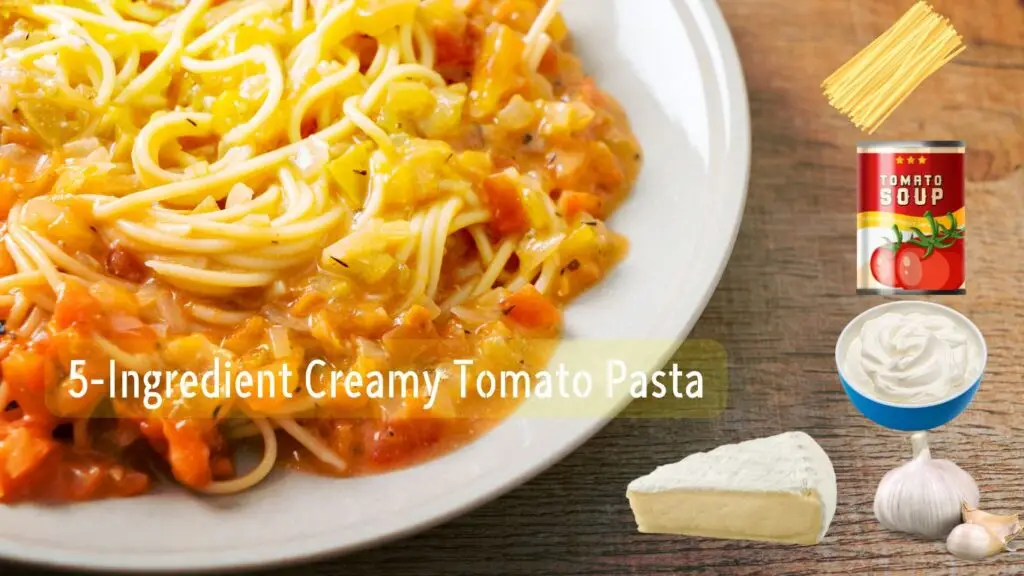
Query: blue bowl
{"points": [[908, 417]]}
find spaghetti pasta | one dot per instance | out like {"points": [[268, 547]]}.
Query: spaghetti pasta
{"points": [[871, 85], [283, 185]]}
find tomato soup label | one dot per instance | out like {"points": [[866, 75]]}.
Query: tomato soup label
{"points": [[911, 218]]}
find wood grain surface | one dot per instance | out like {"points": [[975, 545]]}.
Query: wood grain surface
{"points": [[786, 294]]}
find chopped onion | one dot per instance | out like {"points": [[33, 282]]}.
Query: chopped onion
{"points": [[239, 193], [208, 205], [159, 329], [125, 323], [370, 349], [147, 295], [280, 318], [197, 170], [171, 312], [280, 344], [311, 157], [81, 148], [12, 74], [428, 304], [468, 271], [474, 316], [277, 289], [535, 250]]}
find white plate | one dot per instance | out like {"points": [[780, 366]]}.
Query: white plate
{"points": [[674, 67]]}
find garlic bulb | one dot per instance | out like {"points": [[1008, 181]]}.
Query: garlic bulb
{"points": [[1005, 528], [973, 542], [924, 496]]}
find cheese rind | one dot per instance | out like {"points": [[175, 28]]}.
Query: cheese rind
{"points": [[776, 489]]}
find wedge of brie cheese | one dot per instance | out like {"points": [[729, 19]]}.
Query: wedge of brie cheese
{"points": [[776, 489]]}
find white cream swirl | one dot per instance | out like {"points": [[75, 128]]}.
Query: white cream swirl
{"points": [[912, 358]]}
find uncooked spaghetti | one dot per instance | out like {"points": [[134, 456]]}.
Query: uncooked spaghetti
{"points": [[872, 84], [367, 184]]}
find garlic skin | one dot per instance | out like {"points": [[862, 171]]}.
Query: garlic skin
{"points": [[924, 496], [973, 542], [1005, 528]]}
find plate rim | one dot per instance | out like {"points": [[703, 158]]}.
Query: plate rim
{"points": [[718, 40]]}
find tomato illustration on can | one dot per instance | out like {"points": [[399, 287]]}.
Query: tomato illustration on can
{"points": [[911, 218]]}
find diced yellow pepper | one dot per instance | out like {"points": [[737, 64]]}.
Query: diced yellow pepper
{"points": [[208, 205], [374, 17], [564, 118], [497, 71], [371, 268], [519, 14], [70, 230], [536, 212], [475, 164], [557, 29], [439, 10], [517, 115], [404, 101], [410, 97], [350, 171], [557, 119], [583, 240], [582, 116], [447, 114], [229, 110], [416, 176]]}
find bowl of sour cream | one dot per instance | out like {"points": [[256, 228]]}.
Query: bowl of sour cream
{"points": [[911, 365]]}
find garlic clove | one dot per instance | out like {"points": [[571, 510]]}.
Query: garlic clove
{"points": [[973, 542], [924, 496], [1005, 528]]}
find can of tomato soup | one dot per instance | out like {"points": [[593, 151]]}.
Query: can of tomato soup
{"points": [[911, 218]]}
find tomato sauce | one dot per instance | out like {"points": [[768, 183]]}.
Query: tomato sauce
{"points": [[911, 218]]}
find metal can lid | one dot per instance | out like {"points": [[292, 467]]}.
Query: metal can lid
{"points": [[869, 146]]}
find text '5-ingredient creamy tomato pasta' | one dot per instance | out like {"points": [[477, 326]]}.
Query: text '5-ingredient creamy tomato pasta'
{"points": [[309, 186]]}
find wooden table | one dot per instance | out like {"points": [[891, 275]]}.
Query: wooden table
{"points": [[787, 293]]}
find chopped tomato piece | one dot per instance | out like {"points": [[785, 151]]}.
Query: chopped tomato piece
{"points": [[29, 172], [26, 374], [413, 337], [365, 46], [606, 165], [571, 203], [502, 196], [7, 266], [519, 14], [531, 309], [21, 452], [400, 441], [453, 49], [188, 453], [591, 94], [76, 306], [8, 197], [249, 336], [124, 264], [223, 467], [549, 63], [498, 70], [367, 320], [35, 467]]}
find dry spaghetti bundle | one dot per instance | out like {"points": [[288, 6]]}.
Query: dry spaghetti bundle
{"points": [[872, 84]]}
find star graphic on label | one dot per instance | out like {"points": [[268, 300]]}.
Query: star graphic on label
{"points": [[899, 159], [922, 160], [910, 160]]}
